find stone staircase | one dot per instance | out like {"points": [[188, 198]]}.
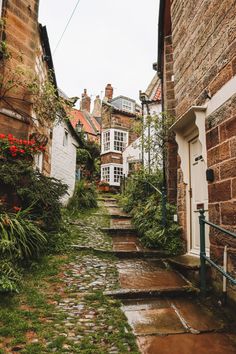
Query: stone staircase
{"points": [[161, 304]]}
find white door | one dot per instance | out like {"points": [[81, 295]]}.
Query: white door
{"points": [[198, 194]]}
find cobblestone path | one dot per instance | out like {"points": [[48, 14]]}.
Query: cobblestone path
{"points": [[69, 313]]}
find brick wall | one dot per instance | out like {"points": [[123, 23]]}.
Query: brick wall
{"points": [[204, 42], [22, 36]]}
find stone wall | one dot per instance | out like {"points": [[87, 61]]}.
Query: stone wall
{"points": [[21, 33], [169, 108], [204, 43], [221, 145]]}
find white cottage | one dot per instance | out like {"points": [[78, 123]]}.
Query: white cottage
{"points": [[65, 142], [135, 154]]}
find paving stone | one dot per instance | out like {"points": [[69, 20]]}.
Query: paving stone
{"points": [[208, 343]]}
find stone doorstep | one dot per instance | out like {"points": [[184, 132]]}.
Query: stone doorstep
{"points": [[107, 199], [186, 261], [150, 293]]}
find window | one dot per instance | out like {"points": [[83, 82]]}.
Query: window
{"points": [[119, 140], [65, 138], [106, 173], [106, 141], [127, 106], [118, 173]]}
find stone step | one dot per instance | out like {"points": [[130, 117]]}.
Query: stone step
{"points": [[187, 265], [119, 230]]}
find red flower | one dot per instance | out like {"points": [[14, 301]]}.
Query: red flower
{"points": [[2, 136], [16, 209], [22, 151]]}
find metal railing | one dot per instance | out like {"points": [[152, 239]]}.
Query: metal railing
{"points": [[203, 256]]}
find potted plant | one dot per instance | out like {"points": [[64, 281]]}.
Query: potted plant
{"points": [[104, 186]]}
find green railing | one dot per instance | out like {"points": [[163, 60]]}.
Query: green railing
{"points": [[203, 256]]}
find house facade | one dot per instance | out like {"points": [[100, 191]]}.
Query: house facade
{"points": [[137, 154], [85, 122], [24, 52], [197, 67], [118, 131], [64, 147]]}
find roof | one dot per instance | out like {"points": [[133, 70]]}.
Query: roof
{"points": [[153, 91], [122, 97], [117, 110], [90, 125]]}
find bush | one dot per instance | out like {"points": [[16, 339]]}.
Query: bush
{"points": [[138, 189], [84, 197], [148, 221], [143, 201], [20, 240], [24, 187]]}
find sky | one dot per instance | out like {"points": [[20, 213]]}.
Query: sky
{"points": [[107, 41]]}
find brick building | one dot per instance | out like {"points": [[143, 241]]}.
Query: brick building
{"points": [[118, 121], [24, 51], [197, 66], [82, 119]]}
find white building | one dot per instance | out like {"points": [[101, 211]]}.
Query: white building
{"points": [[65, 142], [136, 153]]}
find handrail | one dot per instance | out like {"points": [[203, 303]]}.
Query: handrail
{"points": [[204, 258], [220, 228]]}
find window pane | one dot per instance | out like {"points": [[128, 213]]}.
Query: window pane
{"points": [[119, 140], [106, 141], [106, 174], [118, 173]]}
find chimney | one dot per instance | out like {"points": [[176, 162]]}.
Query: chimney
{"points": [[85, 102], [109, 92], [97, 107]]}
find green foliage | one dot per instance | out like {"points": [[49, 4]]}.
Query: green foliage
{"points": [[84, 197], [20, 240], [27, 187], [142, 198], [138, 189], [20, 237], [148, 221], [88, 159]]}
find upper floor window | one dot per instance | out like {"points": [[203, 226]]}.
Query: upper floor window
{"points": [[120, 140], [106, 141], [127, 105]]}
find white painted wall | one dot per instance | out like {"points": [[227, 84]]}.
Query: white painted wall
{"points": [[64, 158], [133, 153]]}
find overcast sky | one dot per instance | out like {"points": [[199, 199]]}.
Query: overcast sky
{"points": [[107, 41]]}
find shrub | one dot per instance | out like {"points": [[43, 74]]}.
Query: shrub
{"points": [[84, 197], [142, 199], [24, 187], [20, 240], [148, 221]]}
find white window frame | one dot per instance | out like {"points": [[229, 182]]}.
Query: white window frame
{"points": [[106, 176], [112, 168], [111, 147], [106, 141], [127, 105]]}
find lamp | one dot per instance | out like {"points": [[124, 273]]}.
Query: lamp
{"points": [[78, 127]]}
